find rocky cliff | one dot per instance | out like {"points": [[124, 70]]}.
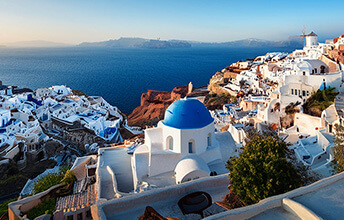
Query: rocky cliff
{"points": [[153, 106]]}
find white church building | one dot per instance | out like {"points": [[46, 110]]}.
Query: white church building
{"points": [[183, 147]]}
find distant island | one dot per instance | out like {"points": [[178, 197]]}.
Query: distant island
{"points": [[35, 43], [158, 44], [138, 43], [126, 42]]}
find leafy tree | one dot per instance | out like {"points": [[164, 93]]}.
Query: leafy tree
{"points": [[339, 149], [319, 101], [262, 170], [69, 177]]}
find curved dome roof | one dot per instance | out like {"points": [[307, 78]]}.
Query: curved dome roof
{"points": [[187, 114], [189, 164]]}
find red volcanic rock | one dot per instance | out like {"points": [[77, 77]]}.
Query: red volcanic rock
{"points": [[179, 92], [152, 214], [335, 40], [153, 106]]}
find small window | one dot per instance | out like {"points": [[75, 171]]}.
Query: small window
{"points": [[170, 143], [292, 91], [304, 73], [307, 93], [192, 149], [88, 214], [303, 93], [209, 140]]}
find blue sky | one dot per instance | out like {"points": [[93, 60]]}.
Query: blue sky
{"points": [[77, 21]]}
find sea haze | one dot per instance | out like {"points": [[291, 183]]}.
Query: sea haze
{"points": [[119, 75]]}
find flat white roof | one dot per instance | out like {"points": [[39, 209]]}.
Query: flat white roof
{"points": [[276, 213], [327, 202], [119, 161]]}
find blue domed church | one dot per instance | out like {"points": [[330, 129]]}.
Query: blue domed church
{"points": [[183, 147]]}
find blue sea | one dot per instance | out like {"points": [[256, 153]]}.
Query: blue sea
{"points": [[119, 75]]}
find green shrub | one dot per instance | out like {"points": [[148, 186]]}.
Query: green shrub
{"points": [[47, 181], [69, 177], [4, 207], [319, 101], [46, 207], [338, 150], [262, 170]]}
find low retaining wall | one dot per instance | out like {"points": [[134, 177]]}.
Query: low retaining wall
{"points": [[114, 182], [277, 201], [21, 206], [100, 211]]}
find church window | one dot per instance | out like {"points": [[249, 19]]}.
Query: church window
{"points": [[209, 140], [170, 143], [191, 145]]}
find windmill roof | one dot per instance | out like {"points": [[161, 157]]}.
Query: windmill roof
{"points": [[311, 34]]}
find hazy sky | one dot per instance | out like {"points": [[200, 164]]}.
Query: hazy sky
{"points": [[69, 21]]}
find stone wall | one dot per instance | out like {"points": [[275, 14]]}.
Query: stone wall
{"points": [[330, 63]]}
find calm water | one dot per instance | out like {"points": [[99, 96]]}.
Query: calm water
{"points": [[119, 75]]}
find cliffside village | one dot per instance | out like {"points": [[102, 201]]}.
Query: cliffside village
{"points": [[54, 123], [271, 83], [187, 150]]}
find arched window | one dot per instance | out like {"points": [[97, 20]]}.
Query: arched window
{"points": [[209, 140], [322, 69], [169, 143], [192, 147]]}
